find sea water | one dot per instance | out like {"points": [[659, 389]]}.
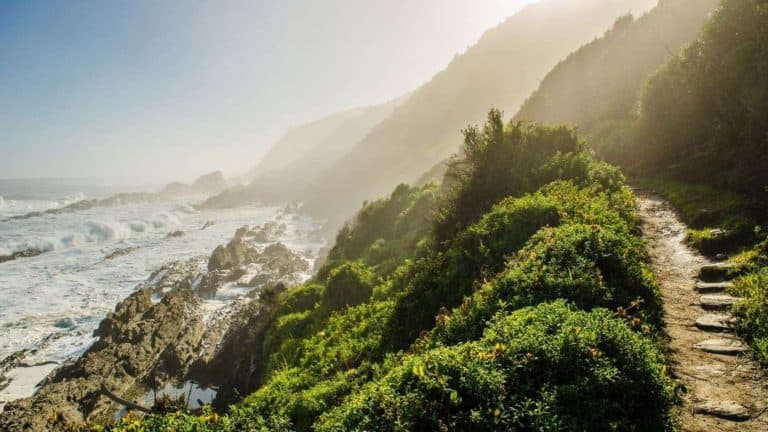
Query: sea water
{"points": [[53, 302]]}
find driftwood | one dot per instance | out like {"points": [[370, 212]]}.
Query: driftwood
{"points": [[128, 404]]}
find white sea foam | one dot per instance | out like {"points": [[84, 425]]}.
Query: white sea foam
{"points": [[67, 291], [104, 230], [186, 208], [2, 202], [71, 199]]}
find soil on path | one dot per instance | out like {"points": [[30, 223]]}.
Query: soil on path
{"points": [[723, 392]]}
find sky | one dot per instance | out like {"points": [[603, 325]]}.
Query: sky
{"points": [[174, 89]]}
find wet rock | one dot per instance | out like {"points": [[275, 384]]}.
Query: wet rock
{"points": [[236, 363], [208, 224], [211, 282], [718, 301], [242, 231], [173, 275], [139, 340], [120, 252], [721, 346], [236, 253], [176, 234], [728, 410], [26, 253], [269, 232]]}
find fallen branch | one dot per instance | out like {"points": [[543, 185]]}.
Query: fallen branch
{"points": [[128, 404]]}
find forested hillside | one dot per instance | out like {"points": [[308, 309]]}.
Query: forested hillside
{"points": [[599, 86]]}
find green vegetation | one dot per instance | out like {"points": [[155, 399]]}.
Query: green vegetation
{"points": [[516, 298], [702, 116], [599, 85]]}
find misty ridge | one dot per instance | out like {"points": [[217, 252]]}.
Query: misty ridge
{"points": [[562, 230]]}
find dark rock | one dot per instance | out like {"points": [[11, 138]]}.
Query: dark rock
{"points": [[236, 253], [26, 253], [176, 234], [721, 257], [120, 252], [208, 224]]}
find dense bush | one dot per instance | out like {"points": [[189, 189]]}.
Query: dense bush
{"points": [[386, 231], [547, 368], [350, 284], [496, 162]]}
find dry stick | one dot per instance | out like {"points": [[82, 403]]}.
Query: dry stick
{"points": [[106, 392]]}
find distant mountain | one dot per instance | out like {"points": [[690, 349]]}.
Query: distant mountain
{"points": [[501, 70], [299, 156], [211, 183], [598, 87]]}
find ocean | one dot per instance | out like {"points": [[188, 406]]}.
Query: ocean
{"points": [[53, 302]]}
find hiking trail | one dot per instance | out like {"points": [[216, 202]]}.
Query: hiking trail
{"points": [[725, 389]]}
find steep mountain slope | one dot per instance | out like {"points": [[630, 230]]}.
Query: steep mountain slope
{"points": [[294, 161], [598, 86], [500, 70]]}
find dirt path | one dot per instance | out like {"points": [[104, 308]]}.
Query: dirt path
{"points": [[726, 391]]}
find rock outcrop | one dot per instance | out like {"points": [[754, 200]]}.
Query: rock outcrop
{"points": [[162, 334], [139, 341]]}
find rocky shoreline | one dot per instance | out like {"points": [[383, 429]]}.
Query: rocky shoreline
{"points": [[199, 320]]}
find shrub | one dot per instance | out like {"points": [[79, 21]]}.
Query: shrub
{"points": [[348, 285], [753, 311], [544, 368]]}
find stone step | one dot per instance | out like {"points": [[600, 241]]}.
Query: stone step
{"points": [[726, 409], [716, 322], [722, 346], [717, 302], [715, 271], [712, 287]]}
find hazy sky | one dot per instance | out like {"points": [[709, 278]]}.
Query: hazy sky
{"points": [[172, 89]]}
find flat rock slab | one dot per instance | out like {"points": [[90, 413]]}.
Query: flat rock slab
{"points": [[722, 346], [712, 287], [728, 410], [716, 322], [718, 301], [715, 271]]}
